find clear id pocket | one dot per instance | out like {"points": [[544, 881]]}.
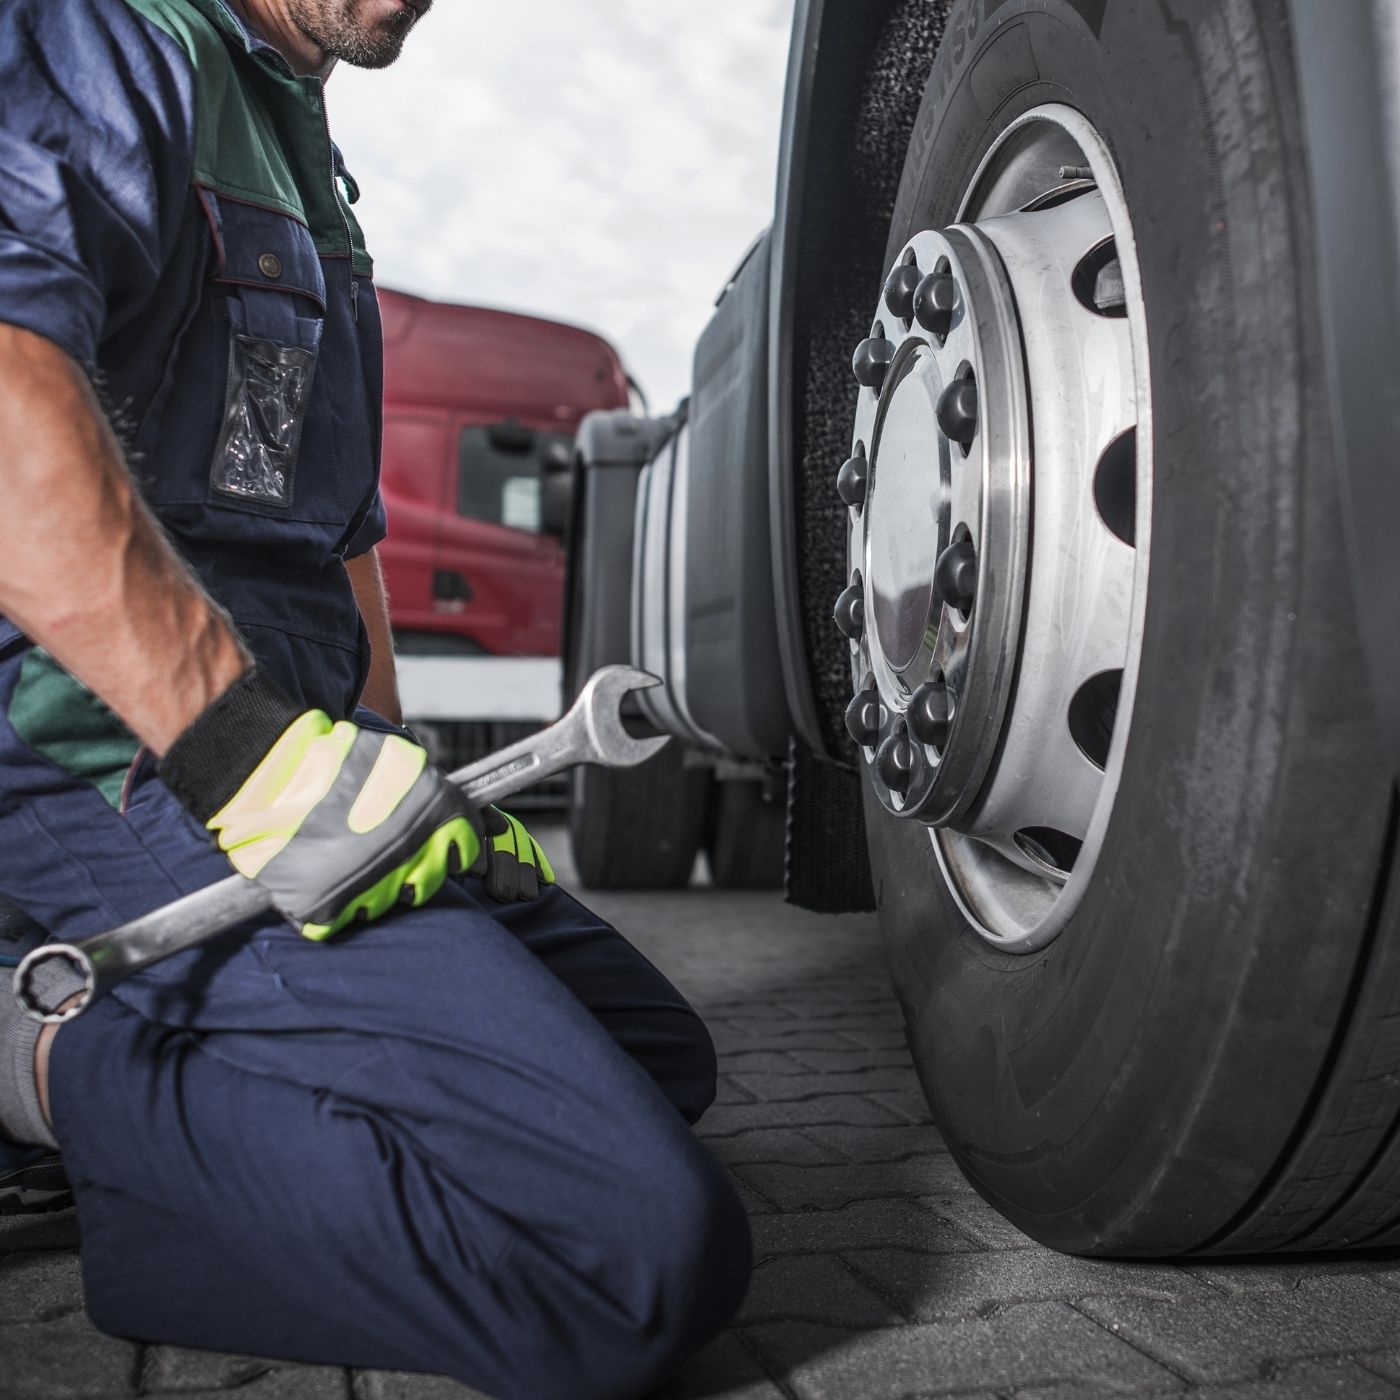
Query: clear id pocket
{"points": [[269, 388]]}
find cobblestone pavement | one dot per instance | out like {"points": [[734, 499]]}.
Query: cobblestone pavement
{"points": [[880, 1274]]}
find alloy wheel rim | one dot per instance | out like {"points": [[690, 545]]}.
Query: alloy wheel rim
{"points": [[999, 501]]}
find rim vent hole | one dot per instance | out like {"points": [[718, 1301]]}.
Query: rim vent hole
{"points": [[1115, 487], [1092, 714], [1098, 282], [1056, 849]]}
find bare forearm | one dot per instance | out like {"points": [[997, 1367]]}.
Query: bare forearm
{"points": [[381, 693], [84, 568]]}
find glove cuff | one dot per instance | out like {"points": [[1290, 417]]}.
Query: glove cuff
{"points": [[212, 758]]}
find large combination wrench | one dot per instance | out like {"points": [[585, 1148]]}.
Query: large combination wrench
{"points": [[591, 732]]}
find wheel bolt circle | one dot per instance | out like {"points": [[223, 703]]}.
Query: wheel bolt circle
{"points": [[863, 717], [871, 362], [899, 289], [928, 714], [955, 575], [850, 612], [853, 480], [894, 762], [957, 411], [933, 302]]}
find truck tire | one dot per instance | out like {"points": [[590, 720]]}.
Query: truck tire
{"points": [[1171, 1027], [638, 828], [744, 848]]}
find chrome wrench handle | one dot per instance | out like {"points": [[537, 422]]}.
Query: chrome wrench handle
{"points": [[591, 732]]}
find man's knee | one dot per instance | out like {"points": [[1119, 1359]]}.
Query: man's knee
{"points": [[689, 1273]]}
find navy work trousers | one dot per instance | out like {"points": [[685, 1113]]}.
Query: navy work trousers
{"points": [[453, 1141]]}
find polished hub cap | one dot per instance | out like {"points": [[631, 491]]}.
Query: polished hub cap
{"points": [[998, 491]]}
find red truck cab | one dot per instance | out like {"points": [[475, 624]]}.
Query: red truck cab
{"points": [[480, 410]]}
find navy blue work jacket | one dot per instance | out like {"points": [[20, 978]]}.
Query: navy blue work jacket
{"points": [[174, 215]]}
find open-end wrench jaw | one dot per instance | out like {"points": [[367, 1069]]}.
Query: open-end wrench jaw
{"points": [[601, 700]]}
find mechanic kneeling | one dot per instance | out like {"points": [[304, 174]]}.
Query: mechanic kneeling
{"points": [[455, 1140]]}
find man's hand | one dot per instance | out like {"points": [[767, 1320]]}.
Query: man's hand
{"points": [[336, 822], [516, 865]]}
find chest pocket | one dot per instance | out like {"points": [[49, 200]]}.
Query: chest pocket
{"points": [[274, 296]]}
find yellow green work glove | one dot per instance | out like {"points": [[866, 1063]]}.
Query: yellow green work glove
{"points": [[336, 822], [516, 865]]}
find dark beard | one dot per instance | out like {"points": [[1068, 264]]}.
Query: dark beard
{"points": [[335, 28]]}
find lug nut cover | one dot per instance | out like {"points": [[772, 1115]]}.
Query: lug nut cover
{"points": [[933, 303], [899, 289], [928, 714], [850, 612], [863, 717], [853, 480], [871, 362], [955, 575], [894, 762], [957, 411]]}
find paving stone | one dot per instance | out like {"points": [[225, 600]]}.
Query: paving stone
{"points": [[729, 1042], [289, 1383], [827, 1188], [879, 1144], [53, 1230], [774, 1088], [724, 1368], [877, 1019], [1264, 1275], [65, 1360], [38, 1287], [891, 1039], [848, 1109], [786, 1145], [930, 1289], [173, 1370], [754, 1204], [861, 1225], [814, 1288], [727, 1091], [409, 1385], [849, 1058], [1309, 1380], [1384, 1363], [1224, 1339], [975, 1218], [909, 1103], [762, 1062], [1033, 1344]]}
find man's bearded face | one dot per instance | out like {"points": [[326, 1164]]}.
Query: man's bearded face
{"points": [[363, 33]]}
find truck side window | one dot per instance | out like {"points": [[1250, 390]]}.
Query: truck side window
{"points": [[501, 470]]}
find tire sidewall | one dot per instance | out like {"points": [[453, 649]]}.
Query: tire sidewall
{"points": [[1096, 1091]]}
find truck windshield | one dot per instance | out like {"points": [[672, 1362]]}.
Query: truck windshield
{"points": [[502, 467]]}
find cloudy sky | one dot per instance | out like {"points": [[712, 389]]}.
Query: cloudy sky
{"points": [[604, 162]]}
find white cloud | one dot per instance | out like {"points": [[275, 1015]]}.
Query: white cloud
{"points": [[604, 162]]}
